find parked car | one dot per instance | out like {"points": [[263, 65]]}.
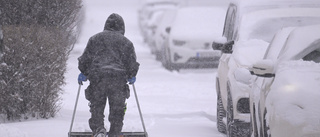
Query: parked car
{"points": [[190, 36], [285, 95], [150, 30], [250, 26], [148, 9], [272, 53], [161, 34]]}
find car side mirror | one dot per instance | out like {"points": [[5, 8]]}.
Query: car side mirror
{"points": [[217, 45], [168, 29], [263, 68], [225, 47]]}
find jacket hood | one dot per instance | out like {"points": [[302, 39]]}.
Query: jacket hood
{"points": [[115, 23]]}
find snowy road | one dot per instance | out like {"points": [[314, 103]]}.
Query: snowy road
{"points": [[174, 104]]}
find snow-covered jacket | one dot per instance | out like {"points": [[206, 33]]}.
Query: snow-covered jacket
{"points": [[109, 53]]}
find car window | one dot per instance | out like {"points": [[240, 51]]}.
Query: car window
{"points": [[231, 27], [265, 29], [229, 23], [313, 55]]}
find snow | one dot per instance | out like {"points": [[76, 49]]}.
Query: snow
{"points": [[174, 104], [249, 52], [277, 43], [294, 96], [292, 100]]}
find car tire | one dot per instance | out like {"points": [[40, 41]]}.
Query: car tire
{"points": [[254, 128], [221, 113], [166, 59], [230, 121], [265, 126]]}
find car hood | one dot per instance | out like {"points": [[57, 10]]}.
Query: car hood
{"points": [[295, 93]]}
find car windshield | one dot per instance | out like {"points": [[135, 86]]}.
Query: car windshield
{"points": [[189, 18], [264, 24], [265, 29]]}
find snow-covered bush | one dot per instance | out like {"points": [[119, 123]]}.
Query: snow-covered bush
{"points": [[38, 36]]}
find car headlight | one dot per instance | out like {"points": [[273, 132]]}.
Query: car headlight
{"points": [[289, 88], [178, 42]]}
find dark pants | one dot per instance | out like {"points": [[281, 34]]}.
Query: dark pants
{"points": [[116, 91]]}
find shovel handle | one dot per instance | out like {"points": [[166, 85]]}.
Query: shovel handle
{"points": [[135, 93], [74, 110]]}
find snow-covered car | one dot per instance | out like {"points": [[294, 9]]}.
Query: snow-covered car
{"points": [[151, 27], [161, 33], [254, 95], [248, 30], [286, 91], [147, 10], [190, 37]]}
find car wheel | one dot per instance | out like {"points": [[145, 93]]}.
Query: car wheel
{"points": [[221, 113], [254, 127], [166, 59], [230, 121]]}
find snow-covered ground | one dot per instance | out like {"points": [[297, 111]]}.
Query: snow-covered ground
{"points": [[174, 104]]}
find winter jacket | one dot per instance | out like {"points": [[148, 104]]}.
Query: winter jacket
{"points": [[109, 53]]}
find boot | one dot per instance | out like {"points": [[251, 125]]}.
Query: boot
{"points": [[101, 132]]}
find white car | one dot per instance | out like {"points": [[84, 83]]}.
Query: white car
{"points": [[147, 10], [190, 36], [151, 28], [250, 26], [161, 33], [285, 95]]}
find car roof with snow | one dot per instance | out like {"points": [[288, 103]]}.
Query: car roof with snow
{"points": [[155, 5], [264, 24], [254, 5]]}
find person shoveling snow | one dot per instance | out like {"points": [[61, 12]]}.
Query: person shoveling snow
{"points": [[109, 63]]}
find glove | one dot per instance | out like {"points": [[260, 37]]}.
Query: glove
{"points": [[132, 80], [81, 78]]}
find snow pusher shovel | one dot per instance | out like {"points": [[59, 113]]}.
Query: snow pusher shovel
{"points": [[123, 134]]}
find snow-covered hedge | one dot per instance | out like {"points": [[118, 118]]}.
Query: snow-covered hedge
{"points": [[36, 48]]}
